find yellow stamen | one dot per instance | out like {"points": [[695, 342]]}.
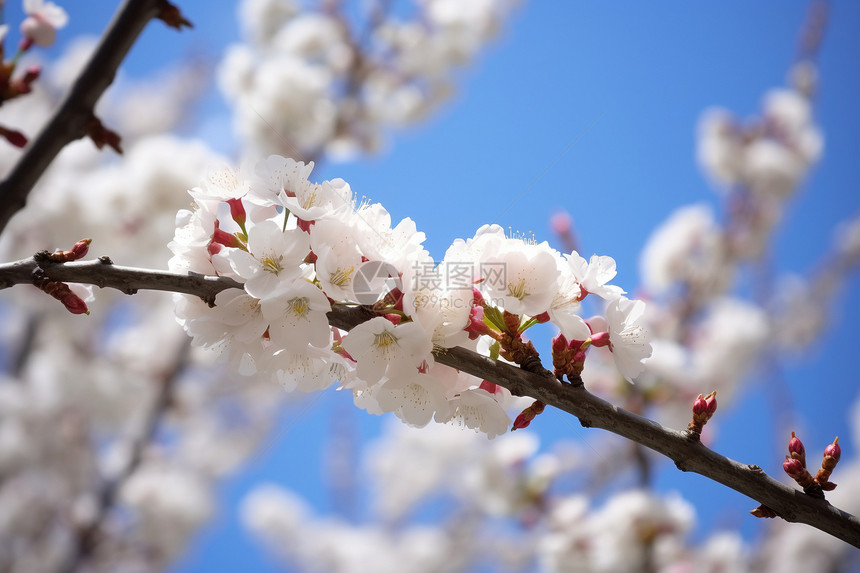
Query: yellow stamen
{"points": [[341, 276], [384, 338], [518, 290]]}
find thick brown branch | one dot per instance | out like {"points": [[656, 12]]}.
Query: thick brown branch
{"points": [[592, 411], [75, 112]]}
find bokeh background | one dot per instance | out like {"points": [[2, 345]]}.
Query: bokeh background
{"points": [[590, 108]]}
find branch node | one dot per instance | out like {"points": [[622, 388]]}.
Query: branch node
{"points": [[170, 15], [105, 260]]}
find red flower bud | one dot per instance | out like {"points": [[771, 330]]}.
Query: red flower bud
{"points": [[559, 344], [16, 138], [477, 297], [793, 468], [833, 450], [79, 250], [393, 318], [600, 339], [489, 387], [796, 449], [75, 304], [711, 401], [542, 317], [526, 416], [237, 211]]}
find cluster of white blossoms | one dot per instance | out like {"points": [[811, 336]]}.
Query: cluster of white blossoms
{"points": [[308, 81], [298, 247], [770, 154]]}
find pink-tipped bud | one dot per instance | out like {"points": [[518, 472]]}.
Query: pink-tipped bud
{"points": [[559, 344], [32, 74], [793, 468], [75, 304], [489, 386], [526, 416], [477, 327], [705, 406], [833, 450], [237, 211], [16, 138], [600, 339], [477, 297], [561, 222], [699, 405], [796, 449], [542, 318], [80, 249], [711, 401], [393, 318], [224, 238]]}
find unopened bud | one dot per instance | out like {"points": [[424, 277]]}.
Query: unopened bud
{"points": [[833, 450], [62, 292], [793, 467], [489, 386], [75, 304], [237, 211], [600, 339], [796, 449], [16, 138], [559, 344], [512, 323], [393, 318], [542, 317], [526, 416], [477, 297], [78, 251]]}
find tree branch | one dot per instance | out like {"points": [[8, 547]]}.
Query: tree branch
{"points": [[687, 453], [75, 114]]}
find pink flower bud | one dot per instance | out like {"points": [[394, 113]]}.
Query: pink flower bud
{"points": [[75, 304], [477, 297], [793, 468], [393, 318], [711, 401], [237, 211], [32, 74], [489, 387], [16, 138], [796, 449], [559, 344], [600, 339], [224, 238], [542, 317], [699, 405], [560, 222], [80, 249], [834, 450], [526, 416]]}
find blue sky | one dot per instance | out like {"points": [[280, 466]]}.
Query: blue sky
{"points": [[590, 107]]}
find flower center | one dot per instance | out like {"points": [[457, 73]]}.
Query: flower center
{"points": [[518, 290], [272, 265], [341, 276], [384, 339], [632, 334], [309, 201], [298, 305]]}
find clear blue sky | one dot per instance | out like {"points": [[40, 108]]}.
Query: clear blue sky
{"points": [[639, 74]]}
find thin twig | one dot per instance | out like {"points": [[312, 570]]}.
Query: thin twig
{"points": [[689, 455], [75, 113], [88, 538]]}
